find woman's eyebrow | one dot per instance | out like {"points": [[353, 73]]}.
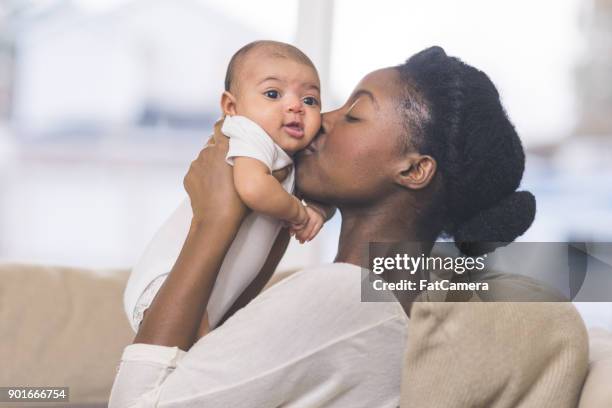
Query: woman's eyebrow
{"points": [[362, 92], [352, 106]]}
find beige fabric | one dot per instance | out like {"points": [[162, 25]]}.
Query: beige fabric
{"points": [[597, 390], [62, 327], [66, 326], [494, 355]]}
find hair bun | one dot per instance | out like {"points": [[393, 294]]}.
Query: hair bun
{"points": [[496, 226], [430, 55]]}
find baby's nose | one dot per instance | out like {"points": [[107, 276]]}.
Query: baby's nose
{"points": [[294, 105]]}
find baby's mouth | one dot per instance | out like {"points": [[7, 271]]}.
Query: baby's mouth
{"points": [[294, 129]]}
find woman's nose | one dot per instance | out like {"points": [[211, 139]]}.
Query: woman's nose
{"points": [[327, 121]]}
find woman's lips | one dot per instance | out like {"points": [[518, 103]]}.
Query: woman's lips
{"points": [[308, 150], [294, 130]]}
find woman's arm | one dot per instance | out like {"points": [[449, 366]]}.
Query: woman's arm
{"points": [[175, 314]]}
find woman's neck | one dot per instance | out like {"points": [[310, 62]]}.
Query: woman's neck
{"points": [[361, 226]]}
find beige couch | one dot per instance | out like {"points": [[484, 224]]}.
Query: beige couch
{"points": [[66, 327]]}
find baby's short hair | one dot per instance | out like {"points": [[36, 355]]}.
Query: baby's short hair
{"points": [[275, 48]]}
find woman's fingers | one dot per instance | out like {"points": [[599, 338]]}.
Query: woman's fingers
{"points": [[209, 182], [218, 137], [210, 141]]}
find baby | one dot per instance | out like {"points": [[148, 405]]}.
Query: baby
{"points": [[272, 109]]}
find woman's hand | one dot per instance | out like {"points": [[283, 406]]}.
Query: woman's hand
{"points": [[210, 184], [177, 314]]}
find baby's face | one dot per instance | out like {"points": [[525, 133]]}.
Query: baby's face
{"points": [[283, 97]]}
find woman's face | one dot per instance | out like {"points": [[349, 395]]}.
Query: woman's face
{"points": [[352, 160]]}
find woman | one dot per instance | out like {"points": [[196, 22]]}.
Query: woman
{"points": [[418, 151]]}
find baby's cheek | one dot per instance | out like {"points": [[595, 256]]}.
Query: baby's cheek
{"points": [[318, 120], [313, 126]]}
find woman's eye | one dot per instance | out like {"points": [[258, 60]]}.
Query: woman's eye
{"points": [[309, 100], [350, 118], [272, 94]]}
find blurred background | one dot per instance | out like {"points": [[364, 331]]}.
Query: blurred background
{"points": [[104, 103]]}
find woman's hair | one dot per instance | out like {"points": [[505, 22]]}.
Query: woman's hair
{"points": [[453, 113]]}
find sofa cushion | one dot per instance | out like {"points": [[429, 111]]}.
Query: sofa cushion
{"points": [[62, 326], [597, 390]]}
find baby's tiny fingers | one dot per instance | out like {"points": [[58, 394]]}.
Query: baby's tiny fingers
{"points": [[299, 227], [315, 230], [308, 230], [313, 233]]}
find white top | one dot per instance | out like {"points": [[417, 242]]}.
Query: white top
{"points": [[248, 139], [246, 255], [308, 341]]}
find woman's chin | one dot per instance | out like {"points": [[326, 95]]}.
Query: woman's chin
{"points": [[308, 187], [308, 180]]}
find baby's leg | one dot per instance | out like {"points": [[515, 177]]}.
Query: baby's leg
{"points": [[204, 328], [156, 262], [146, 298], [252, 290], [242, 264]]}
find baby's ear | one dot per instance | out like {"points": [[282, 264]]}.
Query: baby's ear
{"points": [[228, 104]]}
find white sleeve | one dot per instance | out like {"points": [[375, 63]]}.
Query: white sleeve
{"points": [[248, 139], [307, 341]]}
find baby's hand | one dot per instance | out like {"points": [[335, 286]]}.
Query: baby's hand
{"points": [[301, 218], [312, 228]]}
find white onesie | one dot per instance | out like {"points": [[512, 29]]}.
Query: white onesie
{"points": [[246, 255]]}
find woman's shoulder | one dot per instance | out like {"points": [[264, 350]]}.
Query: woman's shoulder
{"points": [[319, 306], [338, 278], [328, 271], [297, 332], [331, 289]]}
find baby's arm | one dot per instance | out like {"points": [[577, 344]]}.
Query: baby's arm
{"points": [[312, 227], [318, 214], [261, 192], [326, 210]]}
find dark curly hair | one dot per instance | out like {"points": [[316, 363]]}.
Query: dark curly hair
{"points": [[453, 113]]}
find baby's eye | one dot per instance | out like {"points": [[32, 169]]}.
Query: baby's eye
{"points": [[272, 94], [309, 100]]}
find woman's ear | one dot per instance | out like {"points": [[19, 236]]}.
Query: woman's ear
{"points": [[228, 104], [416, 171]]}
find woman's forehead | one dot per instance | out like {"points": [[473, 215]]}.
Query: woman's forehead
{"points": [[382, 84]]}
